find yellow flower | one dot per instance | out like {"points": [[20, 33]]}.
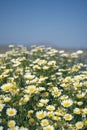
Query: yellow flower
{"points": [[68, 117], [77, 85], [11, 123], [39, 89], [44, 101], [44, 122], [67, 79], [77, 78], [11, 111], [40, 104], [50, 114], [77, 111], [85, 122], [51, 63], [64, 97], [6, 87], [67, 103], [36, 67], [79, 125], [42, 79], [56, 118], [50, 108], [41, 114], [75, 68], [1, 77], [45, 67], [34, 81], [26, 98], [79, 103], [30, 89], [49, 127], [7, 99], [85, 110], [42, 62], [29, 76], [56, 93], [81, 95]]}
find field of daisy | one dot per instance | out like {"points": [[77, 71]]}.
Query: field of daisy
{"points": [[43, 89]]}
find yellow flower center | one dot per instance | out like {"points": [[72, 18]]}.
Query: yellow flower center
{"points": [[67, 104], [32, 90], [80, 126], [11, 112], [7, 88], [41, 115], [68, 117], [11, 124], [48, 129], [7, 99], [44, 123]]}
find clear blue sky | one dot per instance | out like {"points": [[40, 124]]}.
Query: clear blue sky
{"points": [[54, 22]]}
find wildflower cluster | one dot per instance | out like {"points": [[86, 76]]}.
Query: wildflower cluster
{"points": [[42, 89]]}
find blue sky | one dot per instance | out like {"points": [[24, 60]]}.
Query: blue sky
{"points": [[61, 23]]}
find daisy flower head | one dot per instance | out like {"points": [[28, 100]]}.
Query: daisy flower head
{"points": [[56, 92], [50, 114], [81, 95], [85, 110], [29, 76], [44, 122], [79, 125], [77, 111], [68, 117], [51, 63], [11, 112], [7, 99], [45, 67], [50, 108], [77, 84], [80, 103], [6, 87], [44, 101], [67, 103], [42, 62], [40, 104], [30, 89], [49, 127], [41, 114], [11, 123], [14, 128]]}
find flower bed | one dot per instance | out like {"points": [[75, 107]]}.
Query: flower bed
{"points": [[42, 89]]}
